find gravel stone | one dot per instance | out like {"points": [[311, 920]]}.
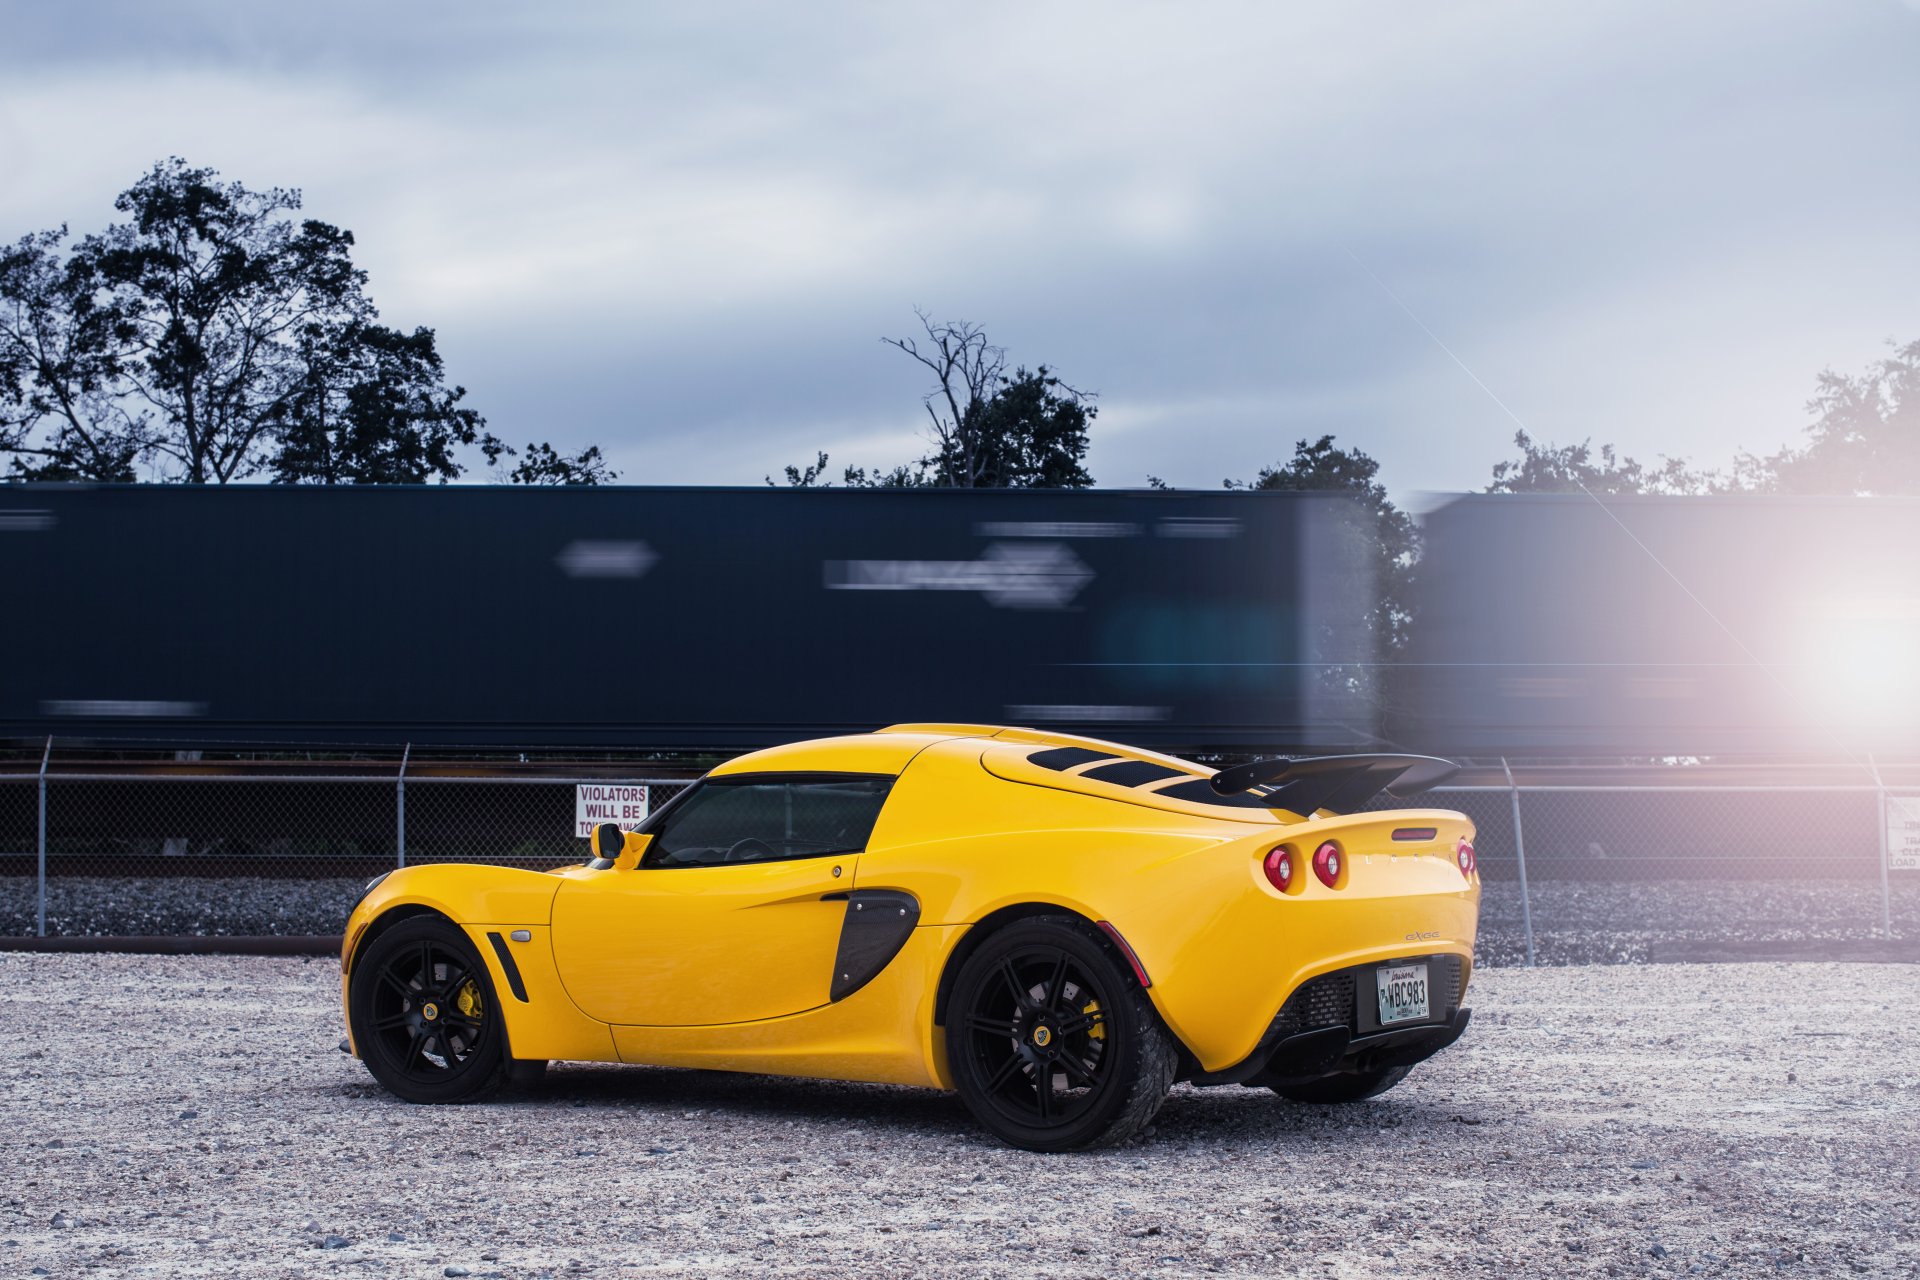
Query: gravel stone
{"points": [[1570, 1074]]}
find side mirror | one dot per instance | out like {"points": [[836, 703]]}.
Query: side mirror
{"points": [[629, 856], [618, 849]]}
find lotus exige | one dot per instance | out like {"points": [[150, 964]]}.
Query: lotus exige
{"points": [[1058, 928]]}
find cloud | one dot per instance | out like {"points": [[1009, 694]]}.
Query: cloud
{"points": [[680, 231]]}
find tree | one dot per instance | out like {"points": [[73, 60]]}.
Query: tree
{"points": [[1865, 437], [215, 286], [814, 476], [372, 408], [60, 350], [990, 429], [1030, 434], [1392, 540], [214, 336], [545, 465], [1575, 468]]}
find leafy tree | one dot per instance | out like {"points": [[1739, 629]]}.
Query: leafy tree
{"points": [[1392, 540], [1031, 433], [1381, 534], [213, 336], [1865, 437], [809, 477], [992, 430], [60, 353], [815, 476], [1575, 468], [545, 465], [372, 408], [989, 429], [215, 285]]}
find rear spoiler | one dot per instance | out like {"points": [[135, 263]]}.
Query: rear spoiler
{"points": [[1338, 783]]}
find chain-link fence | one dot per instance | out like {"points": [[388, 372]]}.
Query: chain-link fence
{"points": [[266, 847], [1595, 864], [1606, 871]]}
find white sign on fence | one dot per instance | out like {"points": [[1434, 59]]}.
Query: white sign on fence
{"points": [[598, 802], [1903, 833]]}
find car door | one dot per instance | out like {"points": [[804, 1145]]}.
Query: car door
{"points": [[733, 915]]}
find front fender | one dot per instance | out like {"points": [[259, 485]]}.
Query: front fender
{"points": [[465, 893], [486, 901]]}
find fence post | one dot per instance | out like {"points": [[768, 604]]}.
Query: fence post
{"points": [[1520, 855], [40, 907], [400, 809], [1880, 809]]}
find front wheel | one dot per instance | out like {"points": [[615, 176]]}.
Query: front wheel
{"points": [[1052, 1043], [423, 1014], [1356, 1086]]}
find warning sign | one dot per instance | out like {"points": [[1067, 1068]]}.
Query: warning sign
{"points": [[598, 802], [1903, 833]]}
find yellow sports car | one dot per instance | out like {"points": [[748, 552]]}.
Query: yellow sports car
{"points": [[1058, 928]]}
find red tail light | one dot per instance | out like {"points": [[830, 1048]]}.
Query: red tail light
{"points": [[1464, 856], [1326, 863], [1281, 869]]}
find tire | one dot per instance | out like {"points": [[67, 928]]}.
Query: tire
{"points": [[1052, 1044], [1356, 1086], [424, 1015]]}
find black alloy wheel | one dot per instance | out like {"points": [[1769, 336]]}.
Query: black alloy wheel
{"points": [[423, 1014], [1051, 1041]]}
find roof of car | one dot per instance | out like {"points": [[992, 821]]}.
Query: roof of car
{"points": [[883, 752], [890, 749]]}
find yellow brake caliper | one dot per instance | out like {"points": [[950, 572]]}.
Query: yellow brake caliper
{"points": [[468, 999], [1098, 1031]]}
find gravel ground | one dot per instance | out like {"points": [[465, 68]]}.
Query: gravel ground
{"points": [[190, 1116], [176, 906], [1582, 922], [1574, 922]]}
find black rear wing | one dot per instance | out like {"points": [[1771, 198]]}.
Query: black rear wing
{"points": [[1339, 784]]}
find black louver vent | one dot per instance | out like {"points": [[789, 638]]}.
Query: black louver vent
{"points": [[1325, 1001], [1131, 773], [1068, 757], [1329, 1000]]}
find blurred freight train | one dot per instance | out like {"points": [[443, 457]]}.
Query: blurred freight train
{"points": [[667, 618], [660, 618]]}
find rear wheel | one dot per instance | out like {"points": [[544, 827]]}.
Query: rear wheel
{"points": [[1354, 1086], [423, 1014], [1052, 1043]]}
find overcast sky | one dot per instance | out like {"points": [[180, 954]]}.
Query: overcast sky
{"points": [[680, 230]]}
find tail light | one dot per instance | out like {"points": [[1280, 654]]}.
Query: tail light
{"points": [[1464, 856], [1326, 863], [1280, 868]]}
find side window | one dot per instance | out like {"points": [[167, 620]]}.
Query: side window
{"points": [[769, 817]]}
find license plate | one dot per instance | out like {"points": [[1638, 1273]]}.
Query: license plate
{"points": [[1403, 993]]}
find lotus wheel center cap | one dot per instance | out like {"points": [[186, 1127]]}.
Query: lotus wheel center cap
{"points": [[429, 1011], [1042, 1036]]}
